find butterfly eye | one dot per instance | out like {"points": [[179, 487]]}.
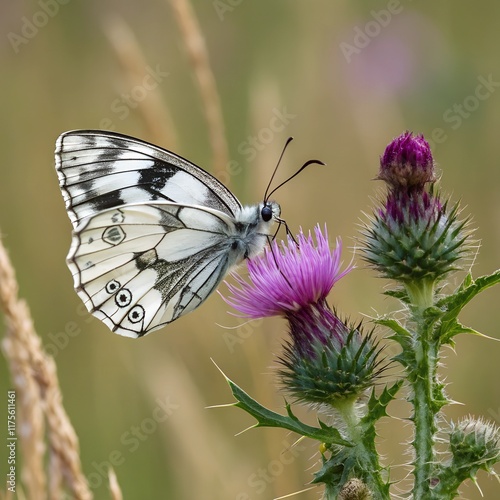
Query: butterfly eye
{"points": [[266, 213]]}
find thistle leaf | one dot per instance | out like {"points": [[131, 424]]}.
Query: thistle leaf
{"points": [[394, 325], [400, 294], [377, 405], [452, 305], [269, 418]]}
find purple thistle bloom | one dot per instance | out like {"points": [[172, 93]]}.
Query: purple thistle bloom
{"points": [[407, 162], [287, 278]]}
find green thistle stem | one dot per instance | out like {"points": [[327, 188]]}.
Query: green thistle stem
{"points": [[423, 384], [422, 377], [421, 294], [363, 454], [351, 420]]}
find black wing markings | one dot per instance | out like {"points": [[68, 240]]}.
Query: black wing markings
{"points": [[152, 179], [173, 277]]}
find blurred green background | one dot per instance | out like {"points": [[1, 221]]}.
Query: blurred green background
{"points": [[348, 77]]}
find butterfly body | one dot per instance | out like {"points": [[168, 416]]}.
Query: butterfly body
{"points": [[153, 234]]}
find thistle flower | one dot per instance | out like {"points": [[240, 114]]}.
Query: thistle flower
{"points": [[413, 237], [407, 162], [326, 360], [288, 279]]}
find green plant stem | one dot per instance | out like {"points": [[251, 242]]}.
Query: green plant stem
{"points": [[353, 430], [363, 454], [422, 377], [423, 383]]}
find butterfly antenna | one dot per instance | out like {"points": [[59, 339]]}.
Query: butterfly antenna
{"points": [[306, 164], [266, 196]]}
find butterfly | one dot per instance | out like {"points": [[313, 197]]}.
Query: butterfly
{"points": [[153, 234]]}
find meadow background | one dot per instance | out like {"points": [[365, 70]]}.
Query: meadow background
{"points": [[343, 78]]}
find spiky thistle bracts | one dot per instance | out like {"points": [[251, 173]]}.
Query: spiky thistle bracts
{"points": [[474, 445], [330, 372]]}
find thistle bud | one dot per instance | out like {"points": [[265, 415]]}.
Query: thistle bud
{"points": [[355, 489], [413, 237], [474, 445], [407, 162]]}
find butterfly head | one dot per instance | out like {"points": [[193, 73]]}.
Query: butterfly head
{"points": [[270, 210]]}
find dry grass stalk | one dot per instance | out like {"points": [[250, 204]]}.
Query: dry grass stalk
{"points": [[152, 109], [55, 477], [29, 418], [198, 55], [38, 394], [114, 487]]}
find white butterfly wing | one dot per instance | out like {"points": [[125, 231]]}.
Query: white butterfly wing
{"points": [[98, 170], [141, 266], [153, 234]]}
